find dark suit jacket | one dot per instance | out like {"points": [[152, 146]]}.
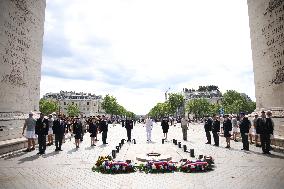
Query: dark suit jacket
{"points": [[129, 124], [58, 127], [216, 126], [41, 126], [103, 126], [245, 125], [208, 125]]}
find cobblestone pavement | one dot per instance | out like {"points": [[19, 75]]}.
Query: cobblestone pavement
{"points": [[71, 168]]}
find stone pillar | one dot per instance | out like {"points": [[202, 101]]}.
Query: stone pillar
{"points": [[21, 37], [266, 18]]}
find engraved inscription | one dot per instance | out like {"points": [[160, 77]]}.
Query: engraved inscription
{"points": [[273, 32]]}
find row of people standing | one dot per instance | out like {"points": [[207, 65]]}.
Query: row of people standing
{"points": [[263, 126]]}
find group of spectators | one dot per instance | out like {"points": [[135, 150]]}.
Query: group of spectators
{"points": [[262, 128], [44, 128]]}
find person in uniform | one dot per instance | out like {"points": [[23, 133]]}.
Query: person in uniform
{"points": [[216, 130], [29, 126], [104, 129], [58, 130], [41, 130], [165, 126], [128, 127], [149, 126], [244, 129], [227, 127], [208, 128], [77, 131], [184, 128]]}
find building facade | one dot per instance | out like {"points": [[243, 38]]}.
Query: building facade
{"points": [[88, 104]]}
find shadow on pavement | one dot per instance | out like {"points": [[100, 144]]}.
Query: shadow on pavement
{"points": [[30, 158], [15, 155], [102, 146], [50, 154], [90, 147], [73, 150]]}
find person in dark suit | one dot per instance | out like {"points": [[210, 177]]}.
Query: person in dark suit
{"points": [[93, 130], [77, 131], [128, 127], [227, 127], [59, 130], [165, 127], [208, 128], [216, 130], [41, 130], [245, 125], [267, 127], [104, 129]]}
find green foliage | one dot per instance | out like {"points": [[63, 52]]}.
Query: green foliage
{"points": [[73, 110], [48, 106], [175, 101], [208, 88], [159, 110], [234, 102], [200, 107], [111, 106]]}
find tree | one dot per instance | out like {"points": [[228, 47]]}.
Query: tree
{"points": [[199, 107], [175, 102], [159, 110], [73, 110], [234, 102], [48, 106], [110, 105]]}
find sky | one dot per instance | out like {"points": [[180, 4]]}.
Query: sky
{"points": [[136, 50]]}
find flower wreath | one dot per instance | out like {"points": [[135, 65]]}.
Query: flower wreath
{"points": [[105, 164]]}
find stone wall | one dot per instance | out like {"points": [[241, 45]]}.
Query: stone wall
{"points": [[266, 18], [21, 36]]}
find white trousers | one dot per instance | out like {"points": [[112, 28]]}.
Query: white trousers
{"points": [[148, 134]]}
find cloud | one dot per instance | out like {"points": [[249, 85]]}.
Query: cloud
{"points": [[135, 49]]}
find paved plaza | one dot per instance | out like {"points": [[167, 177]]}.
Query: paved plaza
{"points": [[71, 168]]}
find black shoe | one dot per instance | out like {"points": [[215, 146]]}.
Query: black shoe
{"points": [[56, 149], [227, 147], [60, 149], [258, 145], [236, 141], [268, 153], [216, 145], [27, 150], [246, 149], [105, 143], [32, 149]]}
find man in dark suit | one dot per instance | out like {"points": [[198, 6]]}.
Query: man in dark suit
{"points": [[208, 128], [216, 130], [104, 129], [266, 126], [41, 130], [58, 129], [128, 127], [245, 125]]}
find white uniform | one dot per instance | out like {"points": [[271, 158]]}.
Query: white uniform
{"points": [[149, 126]]}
